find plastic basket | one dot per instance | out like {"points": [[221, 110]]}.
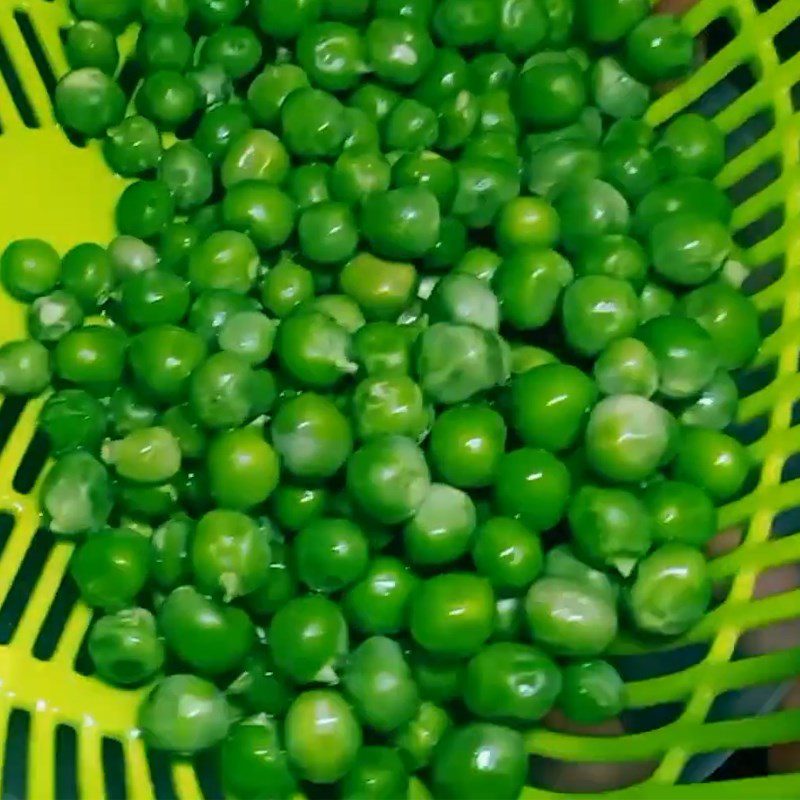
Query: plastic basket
{"points": [[64, 734]]}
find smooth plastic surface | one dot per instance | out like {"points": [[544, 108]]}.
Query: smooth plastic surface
{"points": [[63, 193]]}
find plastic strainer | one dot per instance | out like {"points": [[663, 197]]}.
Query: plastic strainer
{"points": [[64, 734]]}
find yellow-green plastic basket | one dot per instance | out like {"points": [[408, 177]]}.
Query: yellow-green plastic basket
{"points": [[63, 734]]}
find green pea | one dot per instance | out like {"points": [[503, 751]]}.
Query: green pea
{"points": [[464, 299], [125, 648], [220, 391], [715, 406], [655, 301], [419, 11], [154, 298], [511, 682], [132, 147], [596, 311], [331, 554], [440, 531], [379, 602], [146, 455], [76, 494], [550, 90], [72, 419], [91, 44], [712, 460], [312, 436], [417, 740], [480, 760], [627, 437], [402, 223], [285, 19], [730, 319], [169, 563], [184, 714], [235, 48], [167, 98], [569, 617], [610, 527], [592, 692], [285, 287], [128, 411], [456, 362], [209, 637], [529, 283], [483, 187], [313, 123], [332, 54], [89, 102], [164, 47], [532, 485], [626, 366], [451, 614], [111, 568], [91, 356], [259, 688], [466, 445], [29, 268], [269, 90], [398, 49], [684, 352], [165, 12], [86, 273], [322, 736], [671, 591], [24, 368], [390, 404], [378, 681], [308, 185], [314, 349], [550, 405], [383, 348], [163, 358], [308, 636], [615, 91], [328, 233], [252, 758], [523, 27], [255, 155], [551, 168], [480, 262], [525, 357], [381, 288], [129, 256], [507, 553], [210, 85], [375, 100], [261, 211], [680, 512], [213, 14], [389, 478], [658, 48], [377, 773], [343, 310], [243, 469], [463, 23]]}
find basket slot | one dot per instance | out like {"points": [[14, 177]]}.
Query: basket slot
{"points": [[161, 772], [17, 94], [15, 757], [10, 412], [36, 48], [66, 773], [25, 63], [765, 174], [207, 767], [113, 768], [61, 606], [6, 526], [32, 463], [27, 575]]}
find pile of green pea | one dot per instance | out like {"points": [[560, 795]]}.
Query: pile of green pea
{"points": [[403, 387]]}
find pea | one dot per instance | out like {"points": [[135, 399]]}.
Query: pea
{"points": [[235, 48], [167, 98], [592, 692], [570, 618], [401, 223], [655, 301], [210, 638], [312, 436], [378, 603], [89, 102], [331, 554], [308, 636], [322, 736], [220, 391], [484, 185], [463, 23], [86, 273], [715, 406], [285, 20], [507, 553], [554, 165], [671, 591], [658, 48], [627, 366], [184, 714], [532, 485], [111, 568], [480, 760], [313, 123], [76, 494], [627, 437], [132, 147], [252, 757], [154, 298], [24, 368], [378, 681], [529, 283], [381, 288], [466, 445], [29, 268], [712, 460], [165, 12], [377, 772], [91, 44], [550, 405], [461, 298], [146, 455], [451, 614], [549, 91], [684, 352], [125, 648]]}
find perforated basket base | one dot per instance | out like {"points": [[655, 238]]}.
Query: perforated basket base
{"points": [[64, 734]]}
